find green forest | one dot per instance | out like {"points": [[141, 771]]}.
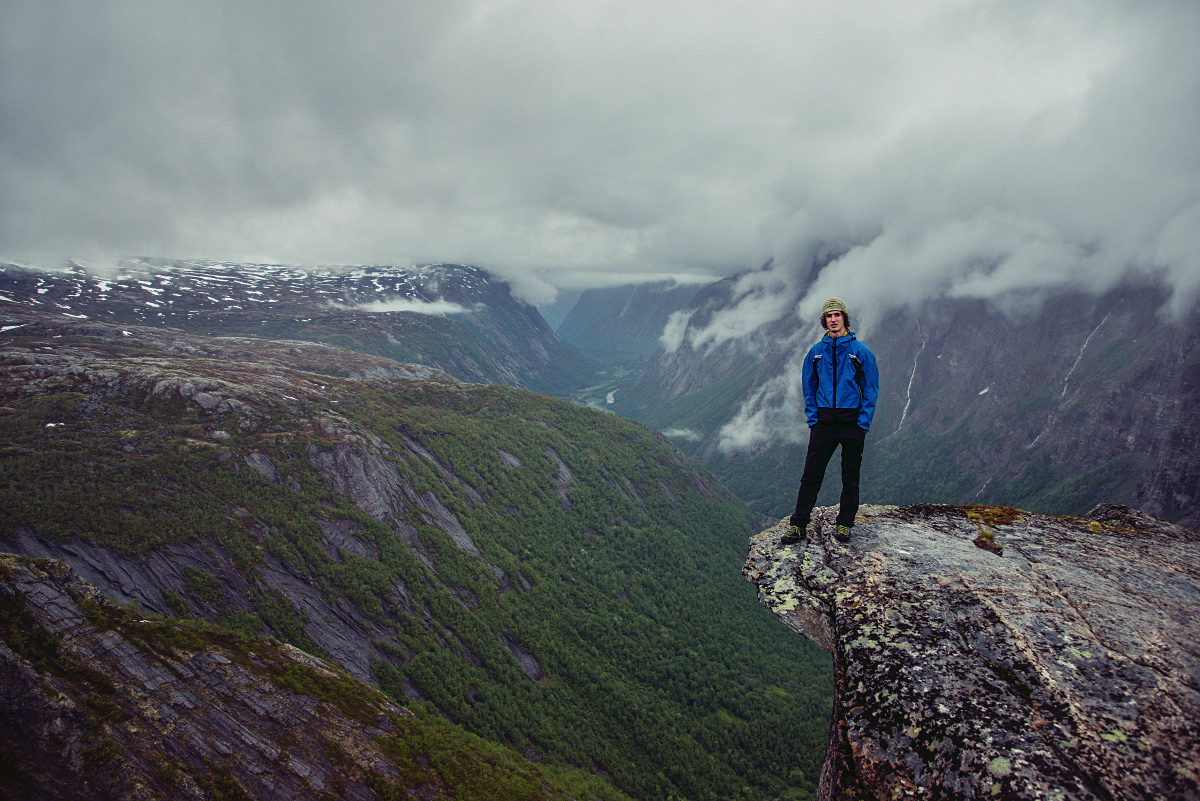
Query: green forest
{"points": [[606, 560]]}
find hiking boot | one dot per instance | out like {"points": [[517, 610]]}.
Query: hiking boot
{"points": [[793, 534], [842, 534]]}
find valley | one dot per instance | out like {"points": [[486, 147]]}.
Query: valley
{"points": [[980, 402], [549, 578], [360, 463]]}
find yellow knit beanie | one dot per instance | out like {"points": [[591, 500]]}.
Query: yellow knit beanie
{"points": [[834, 304]]}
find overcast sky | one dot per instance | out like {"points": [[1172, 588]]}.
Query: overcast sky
{"points": [[942, 145]]}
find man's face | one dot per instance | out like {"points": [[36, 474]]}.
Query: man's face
{"points": [[835, 322]]}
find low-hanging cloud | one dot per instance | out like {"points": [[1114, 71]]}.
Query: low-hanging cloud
{"points": [[960, 146], [434, 307], [675, 330], [773, 412]]}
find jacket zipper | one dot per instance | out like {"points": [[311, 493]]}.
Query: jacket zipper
{"points": [[835, 339]]}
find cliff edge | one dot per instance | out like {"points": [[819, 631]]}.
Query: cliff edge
{"points": [[985, 652], [98, 702]]}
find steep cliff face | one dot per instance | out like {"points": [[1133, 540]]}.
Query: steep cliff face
{"points": [[982, 652], [624, 323], [1085, 400], [100, 703], [1054, 405]]}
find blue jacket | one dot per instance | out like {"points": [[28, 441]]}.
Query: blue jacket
{"points": [[841, 381]]}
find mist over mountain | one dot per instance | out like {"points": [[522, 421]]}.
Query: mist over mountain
{"points": [[623, 324], [1052, 401], [456, 318]]}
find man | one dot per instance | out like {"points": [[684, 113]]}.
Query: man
{"points": [[841, 385]]}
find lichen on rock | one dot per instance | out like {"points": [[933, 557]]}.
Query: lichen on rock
{"points": [[1056, 660]]}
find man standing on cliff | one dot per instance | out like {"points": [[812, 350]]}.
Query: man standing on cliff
{"points": [[841, 385]]}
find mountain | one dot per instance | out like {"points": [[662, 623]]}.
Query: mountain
{"points": [[100, 702], [1054, 404], [458, 319], [987, 652], [549, 578], [624, 323]]}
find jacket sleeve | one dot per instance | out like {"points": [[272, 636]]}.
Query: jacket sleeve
{"points": [[871, 390], [806, 379]]}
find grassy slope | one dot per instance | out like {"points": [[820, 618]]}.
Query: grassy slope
{"points": [[661, 670]]}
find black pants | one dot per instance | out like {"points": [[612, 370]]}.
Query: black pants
{"points": [[823, 440]]}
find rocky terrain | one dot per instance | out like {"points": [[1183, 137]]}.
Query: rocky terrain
{"points": [[456, 318], [99, 702], [984, 652]]}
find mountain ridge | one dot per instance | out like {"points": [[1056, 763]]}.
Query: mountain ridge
{"points": [[456, 318], [1055, 404], [548, 577]]}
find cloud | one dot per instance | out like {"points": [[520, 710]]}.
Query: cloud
{"points": [[682, 433], [1011, 151], [966, 146], [675, 330], [435, 307], [773, 412], [1177, 251], [758, 298]]}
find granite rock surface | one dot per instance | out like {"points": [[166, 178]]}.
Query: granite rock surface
{"points": [[985, 652]]}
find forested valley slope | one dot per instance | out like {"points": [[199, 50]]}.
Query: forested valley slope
{"points": [[549, 578]]}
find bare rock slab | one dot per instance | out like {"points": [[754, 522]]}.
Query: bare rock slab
{"points": [[984, 652]]}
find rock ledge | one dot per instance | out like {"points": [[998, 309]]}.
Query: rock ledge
{"points": [[984, 652]]}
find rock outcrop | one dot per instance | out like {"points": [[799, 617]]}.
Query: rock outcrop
{"points": [[983, 652], [98, 702]]}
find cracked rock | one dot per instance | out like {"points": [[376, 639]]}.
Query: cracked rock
{"points": [[982, 652]]}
